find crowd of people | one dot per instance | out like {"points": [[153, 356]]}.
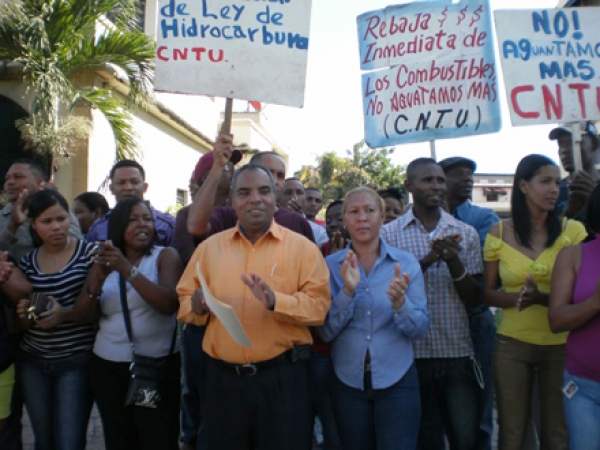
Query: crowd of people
{"points": [[371, 329]]}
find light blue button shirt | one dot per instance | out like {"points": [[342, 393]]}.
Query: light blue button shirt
{"points": [[368, 321]]}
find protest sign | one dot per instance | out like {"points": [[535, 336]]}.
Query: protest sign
{"points": [[238, 48], [550, 63], [437, 76]]}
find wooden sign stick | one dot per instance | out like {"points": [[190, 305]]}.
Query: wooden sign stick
{"points": [[576, 137], [226, 125]]}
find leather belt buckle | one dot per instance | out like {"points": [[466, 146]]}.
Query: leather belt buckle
{"points": [[246, 369]]}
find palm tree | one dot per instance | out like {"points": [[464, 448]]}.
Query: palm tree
{"points": [[50, 41]]}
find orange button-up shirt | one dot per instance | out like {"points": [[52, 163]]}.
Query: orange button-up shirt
{"points": [[290, 265]]}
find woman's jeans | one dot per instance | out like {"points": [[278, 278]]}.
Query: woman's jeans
{"points": [[516, 365], [378, 419], [582, 404], [58, 399]]}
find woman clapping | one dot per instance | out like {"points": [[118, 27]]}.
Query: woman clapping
{"points": [[378, 309]]}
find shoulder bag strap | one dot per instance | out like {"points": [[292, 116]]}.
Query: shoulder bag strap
{"points": [[127, 318], [125, 308]]}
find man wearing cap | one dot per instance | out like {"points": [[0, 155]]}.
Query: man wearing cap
{"points": [[194, 360], [205, 218], [576, 188], [459, 188], [127, 179]]}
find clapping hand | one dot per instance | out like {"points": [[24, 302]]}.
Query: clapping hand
{"points": [[294, 205], [18, 214], [448, 248], [337, 242], [260, 289], [350, 273], [398, 286], [110, 258], [529, 294]]}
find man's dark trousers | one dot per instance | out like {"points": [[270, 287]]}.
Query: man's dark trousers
{"points": [[270, 410]]}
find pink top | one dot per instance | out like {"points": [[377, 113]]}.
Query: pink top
{"points": [[583, 351]]}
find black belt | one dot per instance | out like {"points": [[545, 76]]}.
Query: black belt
{"points": [[481, 308], [295, 354]]}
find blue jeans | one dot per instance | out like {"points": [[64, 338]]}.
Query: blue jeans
{"points": [[449, 398], [583, 413], [382, 419], [58, 399], [194, 363], [483, 335], [322, 376]]}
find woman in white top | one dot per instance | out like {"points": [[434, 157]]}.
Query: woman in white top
{"points": [[151, 274]]}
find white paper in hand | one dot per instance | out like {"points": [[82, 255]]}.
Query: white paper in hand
{"points": [[224, 313]]}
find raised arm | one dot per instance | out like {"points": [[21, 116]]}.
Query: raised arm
{"points": [[198, 223]]}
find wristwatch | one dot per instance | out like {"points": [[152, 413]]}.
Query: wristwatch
{"points": [[132, 274]]}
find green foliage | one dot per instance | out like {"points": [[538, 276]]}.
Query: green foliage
{"points": [[335, 175], [174, 209], [52, 40]]}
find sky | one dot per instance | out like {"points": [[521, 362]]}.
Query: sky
{"points": [[332, 117]]}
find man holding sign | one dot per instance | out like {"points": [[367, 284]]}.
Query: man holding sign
{"points": [[278, 284]]}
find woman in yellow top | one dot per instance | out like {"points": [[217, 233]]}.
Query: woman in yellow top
{"points": [[519, 254]]}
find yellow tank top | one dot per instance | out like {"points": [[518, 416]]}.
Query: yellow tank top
{"points": [[531, 324]]}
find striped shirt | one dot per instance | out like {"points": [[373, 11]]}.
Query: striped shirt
{"points": [[448, 333], [66, 339]]}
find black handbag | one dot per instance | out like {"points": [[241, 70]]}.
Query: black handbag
{"points": [[147, 373]]}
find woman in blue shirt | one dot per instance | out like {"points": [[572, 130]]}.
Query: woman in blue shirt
{"points": [[379, 307]]}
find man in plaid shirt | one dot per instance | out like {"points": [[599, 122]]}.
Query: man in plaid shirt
{"points": [[450, 257]]}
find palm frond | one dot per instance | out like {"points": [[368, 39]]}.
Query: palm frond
{"points": [[50, 139], [119, 118], [53, 39], [132, 53]]}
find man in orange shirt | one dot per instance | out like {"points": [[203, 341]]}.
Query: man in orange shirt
{"points": [[278, 284]]}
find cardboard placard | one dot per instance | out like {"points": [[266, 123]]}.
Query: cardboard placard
{"points": [[437, 74]]}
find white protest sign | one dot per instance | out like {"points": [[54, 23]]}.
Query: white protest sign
{"points": [[551, 65], [252, 50], [437, 77]]}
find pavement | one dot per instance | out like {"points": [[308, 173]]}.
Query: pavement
{"points": [[95, 439]]}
